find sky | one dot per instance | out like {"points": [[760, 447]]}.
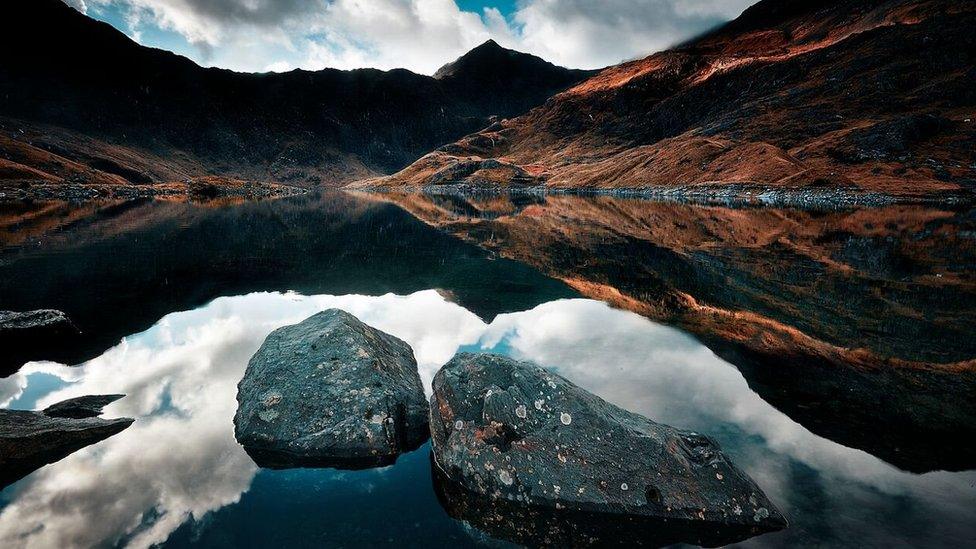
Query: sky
{"points": [[419, 35]]}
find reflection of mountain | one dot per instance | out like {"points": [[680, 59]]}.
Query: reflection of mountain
{"points": [[119, 267], [84, 103], [850, 321], [801, 96]]}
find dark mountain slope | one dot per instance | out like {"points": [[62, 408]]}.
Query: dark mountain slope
{"points": [[65, 79], [797, 97], [489, 73]]}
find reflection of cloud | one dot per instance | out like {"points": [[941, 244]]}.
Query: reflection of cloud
{"points": [[180, 460], [11, 388]]}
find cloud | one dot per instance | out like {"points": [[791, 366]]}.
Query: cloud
{"points": [[587, 34], [420, 35]]}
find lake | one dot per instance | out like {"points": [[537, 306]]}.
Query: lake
{"points": [[830, 353]]}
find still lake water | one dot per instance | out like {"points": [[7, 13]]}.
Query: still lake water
{"points": [[174, 298]]}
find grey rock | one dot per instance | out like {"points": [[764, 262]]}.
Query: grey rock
{"points": [[32, 335], [81, 407], [19, 323], [331, 392], [525, 439], [30, 440]]}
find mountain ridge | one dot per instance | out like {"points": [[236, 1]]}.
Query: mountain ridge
{"points": [[835, 99], [106, 100]]}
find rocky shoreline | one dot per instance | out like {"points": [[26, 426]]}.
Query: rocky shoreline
{"points": [[193, 190], [731, 195]]}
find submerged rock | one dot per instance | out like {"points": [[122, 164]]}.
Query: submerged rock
{"points": [[30, 440], [81, 407], [528, 441], [29, 335], [21, 323], [331, 392]]}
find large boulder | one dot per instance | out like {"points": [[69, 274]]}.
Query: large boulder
{"points": [[331, 392], [520, 445], [30, 440]]}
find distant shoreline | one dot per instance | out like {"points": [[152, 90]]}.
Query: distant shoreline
{"points": [[730, 195]]}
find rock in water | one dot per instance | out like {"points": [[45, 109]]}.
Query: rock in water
{"points": [[527, 440], [331, 392], [32, 335], [30, 440], [81, 407], [14, 323]]}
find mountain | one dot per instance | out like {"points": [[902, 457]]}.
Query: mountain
{"points": [[83, 103], [489, 73], [837, 99]]}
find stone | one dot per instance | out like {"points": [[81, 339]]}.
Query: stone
{"points": [[30, 440], [13, 322], [331, 392], [32, 335], [574, 457], [81, 407]]}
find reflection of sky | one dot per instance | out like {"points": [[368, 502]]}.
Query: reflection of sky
{"points": [[179, 461]]}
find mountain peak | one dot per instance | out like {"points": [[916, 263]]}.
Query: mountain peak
{"points": [[492, 59], [489, 44]]}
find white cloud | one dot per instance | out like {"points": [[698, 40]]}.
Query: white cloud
{"points": [[420, 35], [587, 34]]}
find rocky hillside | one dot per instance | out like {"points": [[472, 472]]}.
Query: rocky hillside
{"points": [[82, 103], [830, 97]]}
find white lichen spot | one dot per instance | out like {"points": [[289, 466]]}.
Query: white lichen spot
{"points": [[761, 513], [719, 476], [521, 412], [271, 399], [458, 425], [737, 510], [538, 404], [268, 415], [505, 477], [624, 487], [565, 418]]}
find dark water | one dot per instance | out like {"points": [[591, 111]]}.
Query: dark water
{"points": [[174, 298]]}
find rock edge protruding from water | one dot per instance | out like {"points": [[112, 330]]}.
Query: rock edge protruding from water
{"points": [[522, 437], [331, 392]]}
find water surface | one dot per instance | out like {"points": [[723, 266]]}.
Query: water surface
{"points": [[178, 296]]}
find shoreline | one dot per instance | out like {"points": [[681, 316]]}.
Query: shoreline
{"points": [[736, 195], [79, 192]]}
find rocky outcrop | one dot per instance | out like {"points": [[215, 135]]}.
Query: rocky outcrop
{"points": [[29, 335], [331, 392], [81, 407], [516, 434], [30, 440]]}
